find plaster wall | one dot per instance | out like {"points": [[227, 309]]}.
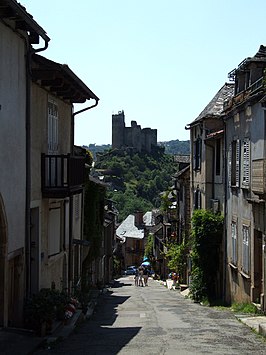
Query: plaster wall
{"points": [[13, 134], [39, 133], [248, 122]]}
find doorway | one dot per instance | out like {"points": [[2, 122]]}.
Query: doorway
{"points": [[257, 257]]}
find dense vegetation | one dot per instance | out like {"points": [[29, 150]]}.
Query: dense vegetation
{"points": [[171, 147], [207, 230], [176, 147], [136, 179]]}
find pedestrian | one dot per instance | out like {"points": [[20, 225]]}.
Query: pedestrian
{"points": [[145, 276], [136, 277], [141, 276]]}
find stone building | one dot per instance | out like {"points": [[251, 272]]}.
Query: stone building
{"points": [[133, 137]]}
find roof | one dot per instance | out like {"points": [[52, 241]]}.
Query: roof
{"points": [[183, 158], [127, 229], [260, 56], [181, 172], [60, 79], [215, 106], [98, 181], [12, 10]]}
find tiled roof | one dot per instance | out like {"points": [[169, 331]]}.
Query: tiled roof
{"points": [[215, 106], [127, 229], [181, 172], [182, 158]]}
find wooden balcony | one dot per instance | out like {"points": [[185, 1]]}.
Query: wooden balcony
{"points": [[62, 175], [258, 176]]}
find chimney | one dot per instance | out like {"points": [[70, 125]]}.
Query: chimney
{"points": [[138, 219]]}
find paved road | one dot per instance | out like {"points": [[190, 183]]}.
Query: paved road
{"points": [[153, 320]]}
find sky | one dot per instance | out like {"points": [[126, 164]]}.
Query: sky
{"points": [[161, 62]]}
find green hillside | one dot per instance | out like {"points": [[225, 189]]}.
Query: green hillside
{"points": [[136, 179]]}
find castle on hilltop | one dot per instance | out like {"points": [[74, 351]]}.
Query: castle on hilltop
{"points": [[142, 140]]}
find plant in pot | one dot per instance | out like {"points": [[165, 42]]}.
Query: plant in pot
{"points": [[40, 312]]}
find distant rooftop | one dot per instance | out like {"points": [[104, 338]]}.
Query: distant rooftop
{"points": [[128, 229]]}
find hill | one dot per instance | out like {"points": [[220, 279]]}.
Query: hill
{"points": [[136, 179], [171, 147]]}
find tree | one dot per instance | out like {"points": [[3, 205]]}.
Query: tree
{"points": [[207, 230]]}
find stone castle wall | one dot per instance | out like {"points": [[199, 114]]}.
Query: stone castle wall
{"points": [[134, 137]]}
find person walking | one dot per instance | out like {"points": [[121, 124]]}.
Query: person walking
{"points": [[136, 277], [145, 276], [141, 276]]}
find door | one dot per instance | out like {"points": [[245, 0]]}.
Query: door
{"points": [[257, 257]]}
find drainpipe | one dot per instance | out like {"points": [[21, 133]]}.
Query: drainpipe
{"points": [[70, 258], [28, 160], [225, 214], [72, 123]]}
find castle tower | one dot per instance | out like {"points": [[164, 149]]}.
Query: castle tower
{"points": [[118, 130]]}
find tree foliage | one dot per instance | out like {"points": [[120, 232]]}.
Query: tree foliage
{"points": [[177, 258], [207, 230], [136, 179]]}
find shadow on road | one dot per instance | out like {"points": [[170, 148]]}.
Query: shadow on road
{"points": [[97, 334], [120, 284]]}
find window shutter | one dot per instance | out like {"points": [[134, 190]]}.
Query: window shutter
{"points": [[237, 162], [50, 126], [194, 155], [230, 165], [246, 163], [199, 152]]}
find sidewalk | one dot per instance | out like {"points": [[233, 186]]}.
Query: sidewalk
{"points": [[257, 323], [23, 342]]}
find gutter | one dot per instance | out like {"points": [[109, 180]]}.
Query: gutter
{"points": [[87, 108], [70, 261], [30, 51]]}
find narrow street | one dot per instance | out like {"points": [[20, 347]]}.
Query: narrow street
{"points": [[154, 320]]}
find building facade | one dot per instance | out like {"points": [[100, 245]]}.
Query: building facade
{"points": [[245, 124]]}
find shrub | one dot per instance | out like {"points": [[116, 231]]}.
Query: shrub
{"points": [[44, 307]]}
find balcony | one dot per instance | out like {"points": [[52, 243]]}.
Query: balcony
{"points": [[62, 175], [258, 176]]}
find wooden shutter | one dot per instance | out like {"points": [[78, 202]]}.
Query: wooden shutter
{"points": [[230, 165], [246, 163], [237, 167]]}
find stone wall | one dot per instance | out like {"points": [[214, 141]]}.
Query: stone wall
{"points": [[133, 137]]}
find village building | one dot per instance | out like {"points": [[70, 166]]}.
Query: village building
{"points": [[43, 176], [207, 180], [245, 127]]}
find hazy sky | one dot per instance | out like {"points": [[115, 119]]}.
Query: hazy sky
{"points": [[159, 61]]}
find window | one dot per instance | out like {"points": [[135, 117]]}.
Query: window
{"points": [[246, 250], [218, 158], [76, 206], [246, 163], [234, 243], [197, 199], [52, 127], [233, 163], [197, 153], [54, 231]]}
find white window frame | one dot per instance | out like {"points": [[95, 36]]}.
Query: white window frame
{"points": [[234, 242], [246, 249], [52, 126]]}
